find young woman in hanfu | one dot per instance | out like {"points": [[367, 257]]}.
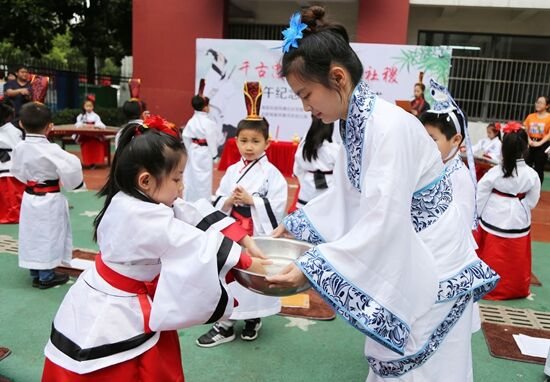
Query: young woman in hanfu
{"points": [[392, 255]]}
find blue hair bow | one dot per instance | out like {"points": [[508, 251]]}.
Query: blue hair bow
{"points": [[294, 32]]}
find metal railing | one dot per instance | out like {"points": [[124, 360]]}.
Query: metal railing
{"points": [[492, 89], [67, 84]]}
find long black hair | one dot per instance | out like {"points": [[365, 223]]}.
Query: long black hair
{"points": [[323, 44], [318, 132], [7, 113], [139, 148], [514, 147]]}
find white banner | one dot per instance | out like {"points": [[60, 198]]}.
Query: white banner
{"points": [[391, 70]]}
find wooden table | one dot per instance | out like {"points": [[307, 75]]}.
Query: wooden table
{"points": [[279, 153], [65, 132]]}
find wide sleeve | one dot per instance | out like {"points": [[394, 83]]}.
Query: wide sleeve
{"points": [[212, 137], [268, 211], [202, 215], [98, 122], [69, 169], [79, 120], [298, 169], [485, 187], [191, 289], [224, 190], [532, 196], [17, 168]]}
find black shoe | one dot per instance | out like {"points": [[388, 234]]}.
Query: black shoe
{"points": [[58, 279], [251, 329], [216, 336], [35, 282]]}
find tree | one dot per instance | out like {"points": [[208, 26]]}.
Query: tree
{"points": [[99, 28], [103, 31], [31, 25]]}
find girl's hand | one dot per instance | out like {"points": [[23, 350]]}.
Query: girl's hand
{"points": [[534, 144], [251, 247], [258, 266], [228, 204], [290, 277], [281, 231]]}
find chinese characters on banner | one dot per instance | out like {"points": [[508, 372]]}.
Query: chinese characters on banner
{"points": [[391, 71]]}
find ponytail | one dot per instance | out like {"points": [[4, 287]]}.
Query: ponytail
{"points": [[514, 147], [316, 135]]}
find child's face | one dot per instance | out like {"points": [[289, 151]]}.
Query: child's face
{"points": [[323, 103], [89, 107], [171, 186], [417, 91], [491, 133], [445, 146], [251, 144]]}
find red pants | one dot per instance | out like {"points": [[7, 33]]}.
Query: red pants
{"points": [[511, 259], [160, 363], [11, 194], [93, 150]]}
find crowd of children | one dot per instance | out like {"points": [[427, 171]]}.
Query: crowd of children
{"points": [[164, 248]]}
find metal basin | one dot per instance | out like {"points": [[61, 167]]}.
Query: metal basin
{"points": [[281, 252]]}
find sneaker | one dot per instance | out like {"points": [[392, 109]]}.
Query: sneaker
{"points": [[35, 282], [251, 329], [58, 279], [216, 336]]}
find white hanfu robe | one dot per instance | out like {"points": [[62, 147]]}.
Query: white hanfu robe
{"points": [[89, 118], [304, 170], [267, 186], [45, 238], [392, 255], [10, 136], [200, 137], [491, 148], [142, 240]]}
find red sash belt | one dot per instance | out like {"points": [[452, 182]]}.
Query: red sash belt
{"points": [[245, 222], [35, 188], [129, 285], [200, 142], [520, 196]]}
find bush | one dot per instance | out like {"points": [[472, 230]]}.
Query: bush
{"points": [[109, 116]]}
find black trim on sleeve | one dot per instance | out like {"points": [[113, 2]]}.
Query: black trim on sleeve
{"points": [[210, 220], [217, 200], [72, 350], [220, 308], [270, 213], [223, 252], [79, 186]]}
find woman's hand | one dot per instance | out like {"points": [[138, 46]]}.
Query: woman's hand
{"points": [[281, 231], [290, 277]]}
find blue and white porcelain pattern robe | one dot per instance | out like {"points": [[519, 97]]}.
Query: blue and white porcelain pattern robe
{"points": [[392, 256]]}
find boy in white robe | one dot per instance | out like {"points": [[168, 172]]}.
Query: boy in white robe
{"points": [[45, 239], [253, 192], [200, 137]]}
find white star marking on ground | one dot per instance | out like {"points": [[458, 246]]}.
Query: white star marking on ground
{"points": [[90, 214], [531, 297], [301, 323]]}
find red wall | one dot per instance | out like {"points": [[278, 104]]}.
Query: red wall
{"points": [[164, 34], [383, 21]]}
